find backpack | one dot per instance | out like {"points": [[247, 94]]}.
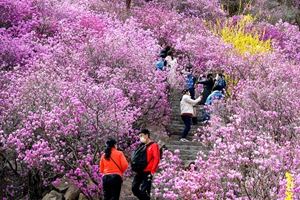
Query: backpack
{"points": [[139, 158], [160, 64]]}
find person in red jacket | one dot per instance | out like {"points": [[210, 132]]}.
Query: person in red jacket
{"points": [[112, 165], [141, 185]]}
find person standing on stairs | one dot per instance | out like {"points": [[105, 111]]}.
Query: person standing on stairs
{"points": [[213, 97], [187, 110], [142, 181], [171, 68], [208, 84], [112, 165], [190, 84], [220, 80]]}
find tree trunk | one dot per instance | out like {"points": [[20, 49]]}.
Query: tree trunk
{"points": [[128, 3]]}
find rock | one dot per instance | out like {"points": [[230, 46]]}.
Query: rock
{"points": [[63, 184], [273, 4], [72, 193], [82, 197], [53, 195]]}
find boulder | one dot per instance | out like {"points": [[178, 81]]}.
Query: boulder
{"points": [[82, 197], [53, 195], [63, 185], [72, 193]]}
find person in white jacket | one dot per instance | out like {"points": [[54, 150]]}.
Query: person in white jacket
{"points": [[187, 110]]}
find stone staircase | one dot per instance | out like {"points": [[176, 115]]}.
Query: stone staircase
{"points": [[188, 150]]}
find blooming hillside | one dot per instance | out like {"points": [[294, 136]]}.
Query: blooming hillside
{"points": [[75, 72]]}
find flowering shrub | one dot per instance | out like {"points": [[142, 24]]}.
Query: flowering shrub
{"points": [[289, 44], [194, 182], [76, 72], [209, 10], [85, 82], [15, 51]]}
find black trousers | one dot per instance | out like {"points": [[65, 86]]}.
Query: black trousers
{"points": [[141, 185], [112, 186]]}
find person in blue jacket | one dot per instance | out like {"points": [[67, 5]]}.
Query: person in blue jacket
{"points": [[215, 95], [220, 80]]}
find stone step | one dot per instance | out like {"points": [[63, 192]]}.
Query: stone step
{"points": [[186, 157], [187, 151], [180, 125], [179, 122], [194, 128], [191, 137], [193, 141], [179, 132], [184, 146], [176, 118]]}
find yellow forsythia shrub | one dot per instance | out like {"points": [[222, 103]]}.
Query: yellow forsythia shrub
{"points": [[289, 186], [243, 35]]}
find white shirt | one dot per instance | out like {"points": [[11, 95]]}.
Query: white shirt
{"points": [[186, 104], [172, 63]]}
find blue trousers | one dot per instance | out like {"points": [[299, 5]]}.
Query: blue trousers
{"points": [[205, 114], [192, 92], [187, 125]]}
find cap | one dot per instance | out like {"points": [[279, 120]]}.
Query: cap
{"points": [[144, 130]]}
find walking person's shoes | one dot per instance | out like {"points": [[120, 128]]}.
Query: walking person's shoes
{"points": [[204, 122], [183, 140]]}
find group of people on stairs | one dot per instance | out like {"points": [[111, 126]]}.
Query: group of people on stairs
{"points": [[113, 163], [213, 89]]}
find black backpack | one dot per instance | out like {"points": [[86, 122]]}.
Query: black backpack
{"points": [[139, 158]]}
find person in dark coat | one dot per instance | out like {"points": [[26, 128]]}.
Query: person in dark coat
{"points": [[208, 84], [164, 51]]}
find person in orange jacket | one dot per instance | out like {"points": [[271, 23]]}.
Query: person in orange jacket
{"points": [[112, 165], [142, 181]]}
